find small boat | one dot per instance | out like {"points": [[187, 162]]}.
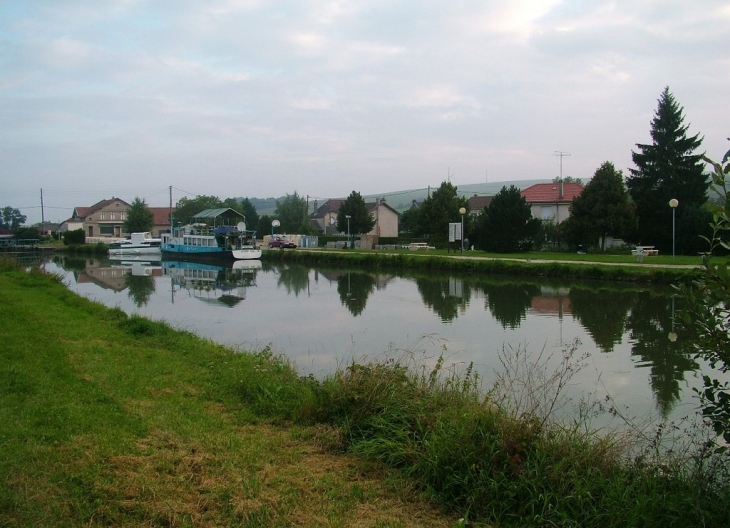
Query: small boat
{"points": [[136, 244], [200, 240]]}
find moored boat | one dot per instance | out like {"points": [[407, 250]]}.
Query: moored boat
{"points": [[137, 244]]}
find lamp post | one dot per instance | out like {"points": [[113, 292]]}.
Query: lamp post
{"points": [[349, 244], [462, 212], [673, 203]]}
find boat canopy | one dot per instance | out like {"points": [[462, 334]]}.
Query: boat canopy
{"points": [[226, 215]]}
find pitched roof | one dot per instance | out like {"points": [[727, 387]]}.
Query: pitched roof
{"points": [[550, 192], [83, 212], [160, 215], [477, 203], [330, 206]]}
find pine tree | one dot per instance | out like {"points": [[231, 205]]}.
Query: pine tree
{"points": [[666, 169]]}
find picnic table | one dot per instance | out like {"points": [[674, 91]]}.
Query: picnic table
{"points": [[645, 251]]}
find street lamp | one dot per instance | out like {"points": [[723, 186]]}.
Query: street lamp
{"points": [[349, 243], [462, 212], [673, 203]]}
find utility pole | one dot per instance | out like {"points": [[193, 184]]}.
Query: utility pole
{"points": [[43, 216]]}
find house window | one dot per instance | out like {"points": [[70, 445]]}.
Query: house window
{"points": [[112, 216], [101, 215], [106, 230], [121, 216], [546, 212]]}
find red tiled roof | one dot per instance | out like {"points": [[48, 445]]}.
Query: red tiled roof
{"points": [[160, 216], [549, 192]]}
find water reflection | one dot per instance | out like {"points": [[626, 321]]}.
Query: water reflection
{"points": [[211, 283], [650, 323], [320, 314]]}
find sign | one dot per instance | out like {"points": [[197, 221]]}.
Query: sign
{"points": [[454, 231]]}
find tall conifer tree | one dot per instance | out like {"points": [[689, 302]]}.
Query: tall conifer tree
{"points": [[667, 168]]}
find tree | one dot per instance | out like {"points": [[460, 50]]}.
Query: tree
{"points": [[708, 312], [666, 169], [439, 210], [506, 226], [11, 218], [410, 222], [249, 212], [603, 208], [263, 226], [291, 212], [139, 217], [360, 220]]}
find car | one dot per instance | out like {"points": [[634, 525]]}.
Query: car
{"points": [[281, 243]]}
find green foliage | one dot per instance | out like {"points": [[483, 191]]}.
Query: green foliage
{"points": [[263, 225], [74, 238], [439, 210], [360, 220], [410, 222], [11, 218], [708, 312], [187, 208], [506, 226], [291, 212], [666, 169], [25, 233], [139, 217], [603, 208], [249, 212]]}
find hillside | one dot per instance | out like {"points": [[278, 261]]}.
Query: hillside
{"points": [[402, 200]]}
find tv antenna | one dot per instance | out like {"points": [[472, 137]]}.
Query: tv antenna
{"points": [[562, 155]]}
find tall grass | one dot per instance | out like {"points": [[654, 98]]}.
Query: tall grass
{"points": [[504, 455]]}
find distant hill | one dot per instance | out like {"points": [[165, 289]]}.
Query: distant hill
{"points": [[402, 200]]}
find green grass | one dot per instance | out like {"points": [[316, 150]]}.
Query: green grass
{"points": [[113, 420]]}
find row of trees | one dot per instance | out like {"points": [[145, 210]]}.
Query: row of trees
{"points": [[635, 208]]}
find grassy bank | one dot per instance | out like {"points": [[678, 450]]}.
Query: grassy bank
{"points": [[558, 265], [113, 420]]}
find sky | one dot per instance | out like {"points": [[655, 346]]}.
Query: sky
{"points": [[257, 98]]}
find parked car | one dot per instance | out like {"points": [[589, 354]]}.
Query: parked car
{"points": [[281, 243]]}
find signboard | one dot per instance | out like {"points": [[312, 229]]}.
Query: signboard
{"points": [[454, 231]]}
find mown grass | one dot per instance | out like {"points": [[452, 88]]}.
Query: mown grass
{"points": [[109, 420], [115, 420]]}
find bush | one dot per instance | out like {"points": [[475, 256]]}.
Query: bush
{"points": [[74, 238]]}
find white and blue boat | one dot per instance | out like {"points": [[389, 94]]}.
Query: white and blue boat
{"points": [[218, 241]]}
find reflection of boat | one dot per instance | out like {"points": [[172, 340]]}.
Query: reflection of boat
{"points": [[136, 244], [212, 282], [221, 241], [138, 266]]}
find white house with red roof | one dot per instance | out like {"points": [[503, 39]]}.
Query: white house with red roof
{"points": [[551, 201]]}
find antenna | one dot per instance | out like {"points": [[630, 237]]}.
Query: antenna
{"points": [[562, 155]]}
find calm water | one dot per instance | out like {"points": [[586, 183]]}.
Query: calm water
{"points": [[322, 318]]}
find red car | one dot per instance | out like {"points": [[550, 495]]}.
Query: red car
{"points": [[281, 243]]}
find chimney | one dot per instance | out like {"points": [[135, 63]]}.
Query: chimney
{"points": [[560, 190]]}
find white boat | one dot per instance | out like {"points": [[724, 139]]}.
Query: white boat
{"points": [[136, 244]]}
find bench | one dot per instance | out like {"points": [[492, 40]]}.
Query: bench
{"points": [[419, 246], [645, 251]]}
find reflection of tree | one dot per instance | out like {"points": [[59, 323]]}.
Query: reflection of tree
{"points": [[603, 313], [141, 287], [650, 323], [444, 296], [294, 278], [508, 303], [354, 289]]}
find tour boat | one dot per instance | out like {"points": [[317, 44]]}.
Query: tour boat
{"points": [[201, 240]]}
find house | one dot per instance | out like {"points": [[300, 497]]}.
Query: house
{"points": [[551, 201], [160, 220], [105, 219], [478, 203], [324, 218]]}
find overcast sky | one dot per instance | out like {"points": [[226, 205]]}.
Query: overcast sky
{"points": [[263, 98]]}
